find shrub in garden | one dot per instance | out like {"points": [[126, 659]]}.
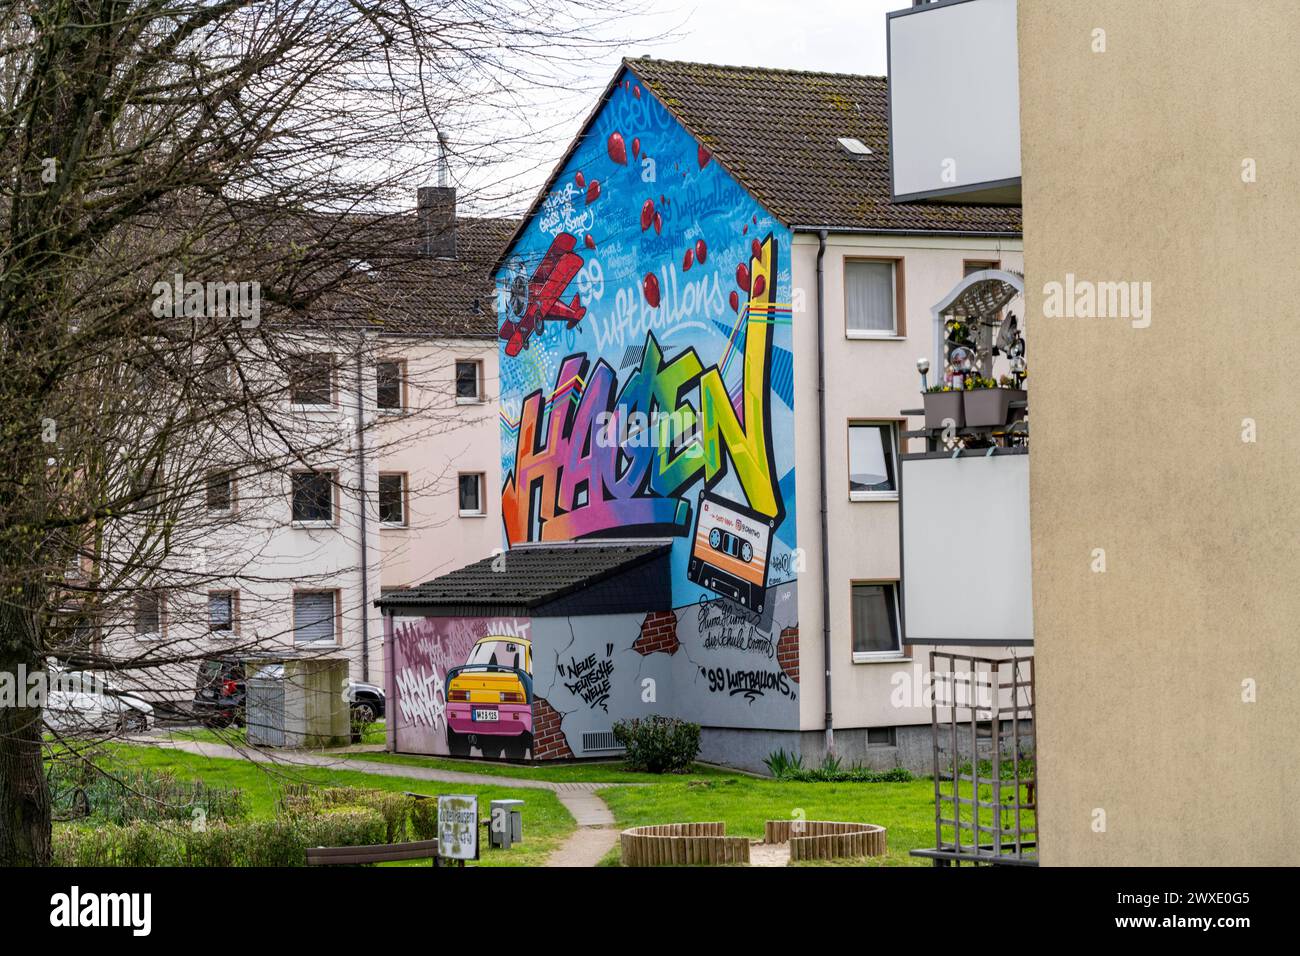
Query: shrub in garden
{"points": [[424, 819], [150, 795], [280, 842], [659, 744]]}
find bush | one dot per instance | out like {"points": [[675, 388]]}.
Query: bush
{"points": [[779, 763], [424, 819], [280, 842], [123, 797], [790, 767], [394, 808], [659, 744]]}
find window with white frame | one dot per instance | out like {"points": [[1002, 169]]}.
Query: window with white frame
{"points": [[220, 490], [313, 497], [390, 381], [468, 382], [221, 613], [870, 300], [471, 495], [875, 621], [392, 499], [148, 614], [314, 617], [873, 465], [311, 379]]}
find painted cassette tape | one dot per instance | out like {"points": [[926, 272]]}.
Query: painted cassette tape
{"points": [[730, 551]]}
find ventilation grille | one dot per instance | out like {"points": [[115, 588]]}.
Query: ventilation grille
{"points": [[599, 740]]}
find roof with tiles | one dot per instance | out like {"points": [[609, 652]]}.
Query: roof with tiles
{"points": [[777, 132], [528, 576]]}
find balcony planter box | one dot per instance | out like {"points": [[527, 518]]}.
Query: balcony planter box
{"points": [[943, 405], [989, 407]]}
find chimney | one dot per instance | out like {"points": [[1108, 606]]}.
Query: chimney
{"points": [[435, 207]]}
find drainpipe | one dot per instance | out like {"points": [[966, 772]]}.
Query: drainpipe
{"points": [[821, 476], [364, 500]]}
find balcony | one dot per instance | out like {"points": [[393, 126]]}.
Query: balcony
{"points": [[954, 102], [965, 497]]}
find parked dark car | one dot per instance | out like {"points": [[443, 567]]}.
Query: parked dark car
{"points": [[219, 694]]}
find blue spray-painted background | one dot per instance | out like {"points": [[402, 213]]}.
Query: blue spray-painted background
{"points": [[650, 281]]}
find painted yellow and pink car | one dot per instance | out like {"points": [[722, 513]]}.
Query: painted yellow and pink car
{"points": [[490, 699]]}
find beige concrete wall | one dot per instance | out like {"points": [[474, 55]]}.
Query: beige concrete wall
{"points": [[1132, 163], [867, 379], [435, 443]]}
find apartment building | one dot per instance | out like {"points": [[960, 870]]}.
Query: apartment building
{"points": [[716, 244], [1162, 621], [396, 420]]}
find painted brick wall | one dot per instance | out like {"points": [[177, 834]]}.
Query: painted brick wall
{"points": [[787, 652], [659, 633], [548, 734]]}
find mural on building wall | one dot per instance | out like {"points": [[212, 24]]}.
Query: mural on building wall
{"points": [[462, 686], [647, 391]]}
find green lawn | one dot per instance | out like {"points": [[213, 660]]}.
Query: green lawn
{"points": [[552, 771], [546, 822], [744, 803]]}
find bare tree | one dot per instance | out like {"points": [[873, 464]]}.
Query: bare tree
{"points": [[194, 190]]}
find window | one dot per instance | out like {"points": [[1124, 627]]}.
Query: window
{"points": [[313, 617], [969, 266], [148, 614], [392, 499], [882, 737], [871, 461], [875, 621], [389, 382], [221, 612], [870, 308], [471, 495], [221, 490], [313, 496], [311, 381], [467, 382]]}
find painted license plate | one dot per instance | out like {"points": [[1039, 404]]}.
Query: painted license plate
{"points": [[487, 715]]}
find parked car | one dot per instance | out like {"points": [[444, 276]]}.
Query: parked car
{"points": [[219, 693], [490, 699], [79, 702], [365, 701]]}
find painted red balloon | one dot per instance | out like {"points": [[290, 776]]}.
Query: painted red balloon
{"points": [[742, 277], [589, 242], [688, 260], [759, 285], [757, 247], [580, 179], [703, 156], [593, 191], [636, 91], [701, 251], [745, 231], [756, 219], [735, 301], [650, 286], [636, 146], [659, 224], [647, 214], [617, 148]]}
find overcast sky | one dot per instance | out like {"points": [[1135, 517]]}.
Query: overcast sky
{"points": [[840, 36]]}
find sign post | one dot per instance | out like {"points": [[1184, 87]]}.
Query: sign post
{"points": [[457, 828]]}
